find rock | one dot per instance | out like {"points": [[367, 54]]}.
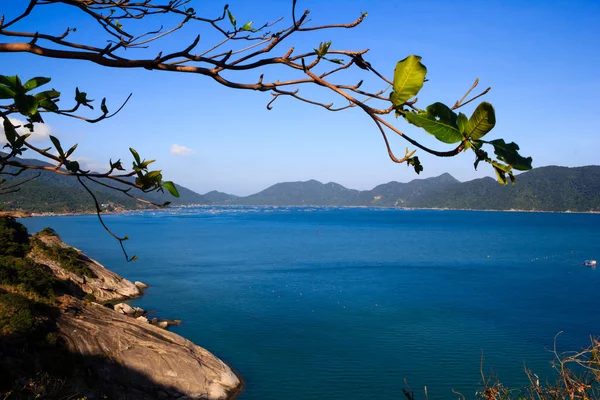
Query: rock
{"points": [[143, 319], [140, 285], [124, 309], [144, 359], [162, 324], [106, 286], [154, 321], [173, 322], [137, 311]]}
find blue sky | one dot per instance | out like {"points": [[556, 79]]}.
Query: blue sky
{"points": [[539, 57]]}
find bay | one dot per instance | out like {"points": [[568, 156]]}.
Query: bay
{"points": [[340, 303]]}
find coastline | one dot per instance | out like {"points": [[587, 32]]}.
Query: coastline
{"points": [[26, 214]]}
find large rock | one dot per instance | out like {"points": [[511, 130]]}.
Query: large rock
{"points": [[106, 286], [144, 360], [140, 285], [125, 309]]}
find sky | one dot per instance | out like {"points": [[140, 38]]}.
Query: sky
{"points": [[539, 57]]}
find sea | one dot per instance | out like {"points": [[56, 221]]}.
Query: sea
{"points": [[359, 303]]}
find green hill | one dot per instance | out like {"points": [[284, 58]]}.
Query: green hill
{"points": [[542, 189], [51, 192]]}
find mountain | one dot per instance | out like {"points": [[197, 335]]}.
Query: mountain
{"points": [[215, 197], [51, 192], [303, 193], [542, 189]]}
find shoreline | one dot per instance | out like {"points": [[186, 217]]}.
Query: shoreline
{"points": [[82, 213]]}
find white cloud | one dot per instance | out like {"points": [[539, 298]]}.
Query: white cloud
{"points": [[181, 151], [40, 131]]}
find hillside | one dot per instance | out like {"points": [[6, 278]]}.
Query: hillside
{"points": [[542, 189], [52, 192]]}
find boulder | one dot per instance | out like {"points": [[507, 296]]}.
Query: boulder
{"points": [[125, 309], [140, 285], [137, 311], [134, 359], [162, 324], [142, 318]]}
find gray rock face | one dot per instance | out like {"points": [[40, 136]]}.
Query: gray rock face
{"points": [[140, 352], [107, 286]]}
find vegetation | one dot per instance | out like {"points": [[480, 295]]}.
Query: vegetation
{"points": [[67, 257], [542, 189], [14, 238]]}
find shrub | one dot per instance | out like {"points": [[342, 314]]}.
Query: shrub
{"points": [[13, 237], [48, 232], [27, 275], [89, 297], [70, 259], [16, 317], [67, 257]]}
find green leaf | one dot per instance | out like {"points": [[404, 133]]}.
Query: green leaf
{"points": [[414, 161], [103, 106], [409, 76], [462, 123], [323, 48], [248, 27], [508, 153], [13, 82], [46, 99], [145, 163], [481, 122], [231, 18], [34, 83], [6, 92], [153, 174], [136, 156], [500, 175], [72, 166], [170, 186], [56, 144], [81, 98], [9, 131], [71, 150], [360, 62], [438, 120], [27, 105]]}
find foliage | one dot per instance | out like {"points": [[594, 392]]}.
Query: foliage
{"points": [[16, 316], [14, 238], [66, 257], [27, 275], [47, 231]]}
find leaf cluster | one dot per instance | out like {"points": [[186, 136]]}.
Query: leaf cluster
{"points": [[450, 127]]}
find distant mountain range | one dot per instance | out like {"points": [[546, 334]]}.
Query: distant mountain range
{"points": [[541, 189]]}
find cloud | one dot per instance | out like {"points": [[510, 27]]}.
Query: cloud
{"points": [[40, 131], [181, 151]]}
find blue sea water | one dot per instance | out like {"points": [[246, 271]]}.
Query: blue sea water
{"points": [[327, 303]]}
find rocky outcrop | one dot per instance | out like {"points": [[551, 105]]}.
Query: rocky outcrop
{"points": [[105, 285], [140, 353], [140, 285]]}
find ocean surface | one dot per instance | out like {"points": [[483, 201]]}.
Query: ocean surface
{"points": [[338, 304]]}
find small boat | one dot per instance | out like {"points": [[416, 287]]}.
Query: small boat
{"points": [[590, 263]]}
